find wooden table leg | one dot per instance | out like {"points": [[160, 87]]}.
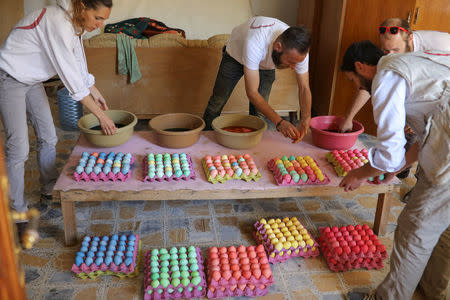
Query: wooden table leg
{"points": [[382, 213], [70, 222]]}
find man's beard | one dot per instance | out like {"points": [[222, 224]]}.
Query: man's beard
{"points": [[276, 58], [365, 83]]}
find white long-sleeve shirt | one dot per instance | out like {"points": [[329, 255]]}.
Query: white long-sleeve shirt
{"points": [[388, 101], [43, 44]]}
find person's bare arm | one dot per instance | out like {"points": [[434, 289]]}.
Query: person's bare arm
{"points": [[251, 78], [304, 101], [106, 123], [360, 99]]}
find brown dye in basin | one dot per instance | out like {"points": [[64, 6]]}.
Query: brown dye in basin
{"points": [[98, 127]]}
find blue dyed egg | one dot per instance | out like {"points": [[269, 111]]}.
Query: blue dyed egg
{"points": [[84, 249], [116, 170], [119, 253], [132, 237], [112, 248], [79, 169], [128, 261], [110, 253], [102, 248], [121, 248], [122, 243], [123, 237], [93, 249], [113, 242], [88, 169], [129, 254], [117, 260], [99, 261], [100, 254], [97, 170], [114, 237], [81, 254], [105, 238], [94, 242], [90, 254], [88, 261], [108, 260], [103, 243], [78, 261]]}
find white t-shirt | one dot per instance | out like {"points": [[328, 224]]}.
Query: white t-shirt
{"points": [[251, 44], [43, 44], [431, 40]]}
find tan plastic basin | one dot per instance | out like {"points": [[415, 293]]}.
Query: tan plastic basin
{"points": [[96, 137], [178, 130], [235, 140]]}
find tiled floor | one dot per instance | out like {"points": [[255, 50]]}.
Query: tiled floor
{"points": [[202, 223]]}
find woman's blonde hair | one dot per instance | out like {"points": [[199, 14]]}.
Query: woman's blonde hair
{"points": [[77, 10]]}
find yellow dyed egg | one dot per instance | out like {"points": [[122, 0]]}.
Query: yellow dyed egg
{"points": [[269, 231], [267, 226], [310, 242], [298, 237], [306, 237], [288, 223], [279, 246], [282, 239], [293, 219], [287, 233], [287, 245], [284, 229], [274, 225], [263, 221], [274, 241], [277, 221], [286, 219], [302, 244], [271, 221], [282, 225], [279, 235], [291, 238], [294, 244], [276, 230], [271, 236], [303, 231]]}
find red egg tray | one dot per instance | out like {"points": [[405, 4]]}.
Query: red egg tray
{"points": [[173, 292], [351, 247], [241, 271], [280, 180], [275, 256], [344, 161], [166, 178]]}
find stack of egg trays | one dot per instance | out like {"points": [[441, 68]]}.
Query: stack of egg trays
{"points": [[173, 177], [122, 270], [237, 288], [172, 292], [102, 176], [260, 237], [223, 179], [281, 181], [341, 172], [345, 262]]}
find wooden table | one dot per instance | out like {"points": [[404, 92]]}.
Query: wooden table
{"points": [[272, 144]]}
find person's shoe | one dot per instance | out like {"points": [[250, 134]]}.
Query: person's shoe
{"points": [[361, 294], [403, 174]]}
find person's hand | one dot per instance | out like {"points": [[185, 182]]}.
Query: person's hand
{"points": [[346, 125], [353, 180], [302, 127], [98, 98], [107, 125], [389, 176], [289, 131]]}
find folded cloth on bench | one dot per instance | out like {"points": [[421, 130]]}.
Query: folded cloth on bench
{"points": [[127, 61]]}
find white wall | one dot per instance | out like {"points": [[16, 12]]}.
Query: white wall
{"points": [[199, 18]]}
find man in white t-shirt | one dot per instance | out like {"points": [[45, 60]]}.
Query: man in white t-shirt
{"points": [[397, 37], [254, 49]]}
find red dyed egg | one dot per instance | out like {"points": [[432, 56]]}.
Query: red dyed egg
{"points": [[237, 274], [216, 275], [257, 273], [247, 274], [356, 249]]}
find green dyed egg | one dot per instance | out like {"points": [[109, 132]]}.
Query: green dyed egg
{"points": [[184, 268], [200, 288], [185, 281], [155, 283], [165, 263], [304, 177], [154, 258], [183, 261], [163, 251], [296, 177], [154, 276], [165, 257], [164, 275], [182, 250], [159, 291], [191, 249], [175, 268], [195, 274], [292, 157], [190, 289], [196, 280], [182, 255], [174, 256], [173, 250], [154, 264], [194, 267], [180, 290], [164, 270], [170, 291], [174, 262], [184, 274], [192, 261], [176, 274], [176, 282], [155, 252], [154, 270], [284, 157], [165, 283]]}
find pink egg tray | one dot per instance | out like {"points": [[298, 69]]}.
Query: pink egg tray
{"points": [[235, 272], [351, 247], [180, 291], [191, 176], [122, 268], [344, 161], [102, 176], [228, 167], [288, 179], [282, 253]]}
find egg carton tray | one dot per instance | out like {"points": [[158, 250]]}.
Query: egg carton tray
{"points": [[237, 291], [344, 257], [121, 271], [102, 176], [281, 181], [341, 173], [352, 264], [273, 254], [174, 292], [223, 179], [222, 282], [173, 177]]}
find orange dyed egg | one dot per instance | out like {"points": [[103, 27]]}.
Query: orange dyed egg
{"points": [[241, 248], [247, 274], [214, 262], [226, 275], [267, 273], [235, 268], [260, 248], [224, 261], [257, 273], [222, 250], [216, 275], [225, 267], [263, 260], [232, 254], [234, 261], [252, 254], [237, 275], [213, 250], [231, 249], [244, 261]]}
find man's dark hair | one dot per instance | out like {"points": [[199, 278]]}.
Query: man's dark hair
{"points": [[365, 52], [298, 38]]}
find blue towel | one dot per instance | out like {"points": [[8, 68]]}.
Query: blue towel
{"points": [[127, 61]]}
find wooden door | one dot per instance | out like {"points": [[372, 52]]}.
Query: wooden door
{"points": [[12, 285], [431, 15], [361, 20], [11, 11]]}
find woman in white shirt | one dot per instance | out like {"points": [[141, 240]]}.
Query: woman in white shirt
{"points": [[45, 43]]}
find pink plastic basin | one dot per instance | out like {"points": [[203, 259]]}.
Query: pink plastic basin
{"points": [[324, 133]]}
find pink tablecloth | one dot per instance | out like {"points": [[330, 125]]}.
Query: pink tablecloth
{"points": [[272, 145]]}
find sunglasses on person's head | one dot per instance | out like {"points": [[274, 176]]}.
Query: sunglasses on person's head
{"points": [[391, 29]]}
